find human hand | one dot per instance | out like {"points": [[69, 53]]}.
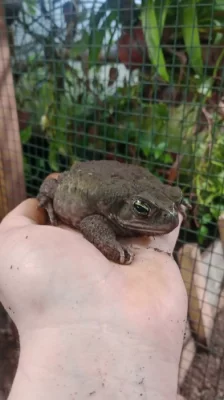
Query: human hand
{"points": [[88, 326]]}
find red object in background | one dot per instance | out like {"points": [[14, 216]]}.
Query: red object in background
{"points": [[132, 48]]}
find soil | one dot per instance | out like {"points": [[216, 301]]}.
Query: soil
{"points": [[9, 353], [204, 380]]}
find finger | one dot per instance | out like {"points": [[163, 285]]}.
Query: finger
{"points": [[166, 243], [54, 175], [25, 213]]}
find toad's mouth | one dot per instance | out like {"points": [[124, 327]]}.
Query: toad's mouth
{"points": [[148, 228]]}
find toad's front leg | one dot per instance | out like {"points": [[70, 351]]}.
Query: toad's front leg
{"points": [[96, 230], [46, 196]]}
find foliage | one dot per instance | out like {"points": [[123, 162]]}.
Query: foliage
{"points": [[152, 31], [209, 174], [153, 116]]}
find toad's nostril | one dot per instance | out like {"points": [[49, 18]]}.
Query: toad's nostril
{"points": [[170, 216]]}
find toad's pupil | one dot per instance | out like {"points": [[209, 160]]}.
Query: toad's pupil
{"points": [[141, 208]]}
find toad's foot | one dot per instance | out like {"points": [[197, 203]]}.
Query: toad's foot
{"points": [[46, 203], [97, 231], [46, 196]]}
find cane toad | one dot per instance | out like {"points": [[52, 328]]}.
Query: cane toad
{"points": [[108, 199]]}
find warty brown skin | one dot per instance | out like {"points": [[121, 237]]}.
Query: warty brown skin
{"points": [[105, 199]]}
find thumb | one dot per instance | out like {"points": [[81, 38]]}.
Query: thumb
{"points": [[26, 213]]}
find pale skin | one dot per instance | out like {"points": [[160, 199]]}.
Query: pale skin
{"points": [[89, 328]]}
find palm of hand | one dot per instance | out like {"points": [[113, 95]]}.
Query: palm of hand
{"points": [[54, 276]]}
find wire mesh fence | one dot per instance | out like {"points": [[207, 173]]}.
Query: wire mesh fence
{"points": [[139, 83]]}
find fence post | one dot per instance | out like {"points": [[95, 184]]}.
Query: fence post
{"points": [[12, 183]]}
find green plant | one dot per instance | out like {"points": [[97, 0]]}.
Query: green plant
{"points": [[209, 174], [74, 114]]}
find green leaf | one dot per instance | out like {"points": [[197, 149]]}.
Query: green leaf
{"points": [[46, 97], [202, 233], [80, 46], [95, 18], [191, 35], [159, 150], [218, 4], [161, 9], [206, 218], [152, 37], [41, 163], [62, 117], [167, 159], [26, 134], [31, 7], [53, 157]]}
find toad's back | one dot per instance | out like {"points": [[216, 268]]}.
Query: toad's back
{"points": [[82, 189], [102, 171]]}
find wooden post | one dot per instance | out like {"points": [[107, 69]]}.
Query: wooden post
{"points": [[12, 183]]}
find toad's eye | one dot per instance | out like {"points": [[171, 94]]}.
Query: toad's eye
{"points": [[141, 207]]}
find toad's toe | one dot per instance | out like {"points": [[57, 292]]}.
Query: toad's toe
{"points": [[129, 255], [122, 256]]}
